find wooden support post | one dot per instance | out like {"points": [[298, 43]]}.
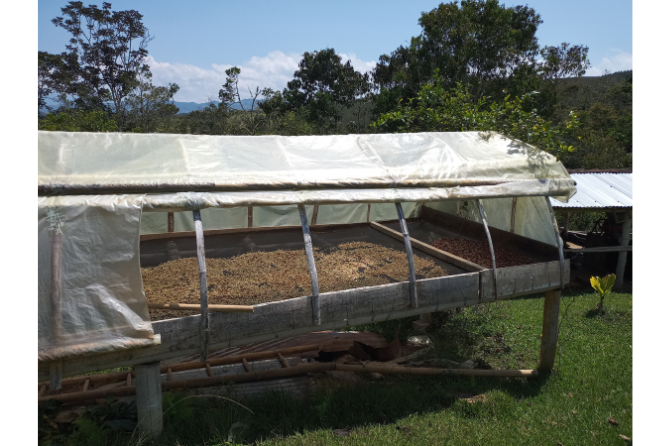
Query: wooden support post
{"points": [[170, 225], [512, 222], [149, 398], [246, 365], [315, 214], [43, 390], [210, 372], [552, 306], [623, 255], [87, 383], [250, 217], [369, 207], [56, 367], [559, 241], [413, 295], [202, 271], [493, 255], [169, 374], [56, 375], [316, 309], [566, 225], [129, 380]]}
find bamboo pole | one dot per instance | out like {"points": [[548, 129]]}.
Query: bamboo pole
{"points": [[316, 309], [196, 307], [559, 241], [202, 271], [413, 295], [292, 371], [283, 361], [493, 255], [119, 376], [401, 370]]}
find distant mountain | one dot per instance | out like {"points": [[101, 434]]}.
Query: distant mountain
{"points": [[184, 107], [188, 107]]}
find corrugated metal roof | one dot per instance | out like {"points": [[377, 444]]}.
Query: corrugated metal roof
{"points": [[600, 190]]}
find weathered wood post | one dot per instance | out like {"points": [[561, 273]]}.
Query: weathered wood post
{"points": [[149, 398], [170, 221], [56, 367], [623, 255], [552, 306]]}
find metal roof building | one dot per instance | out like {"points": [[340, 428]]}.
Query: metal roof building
{"points": [[599, 191]]}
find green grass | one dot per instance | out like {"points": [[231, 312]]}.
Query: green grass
{"points": [[591, 382]]}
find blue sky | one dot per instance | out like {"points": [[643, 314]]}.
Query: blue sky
{"points": [[196, 41]]}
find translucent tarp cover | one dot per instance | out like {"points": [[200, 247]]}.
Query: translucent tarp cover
{"points": [[102, 304], [126, 162]]}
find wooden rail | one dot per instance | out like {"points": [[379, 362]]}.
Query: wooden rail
{"points": [[197, 307]]}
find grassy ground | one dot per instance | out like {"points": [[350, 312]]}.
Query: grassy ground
{"points": [[592, 382]]}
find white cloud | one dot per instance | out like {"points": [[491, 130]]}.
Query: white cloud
{"points": [[198, 85], [621, 61]]}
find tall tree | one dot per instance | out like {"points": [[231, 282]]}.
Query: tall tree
{"points": [[481, 43], [106, 56]]}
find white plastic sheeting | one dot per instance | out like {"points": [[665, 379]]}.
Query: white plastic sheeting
{"points": [[102, 303], [126, 162], [103, 306]]}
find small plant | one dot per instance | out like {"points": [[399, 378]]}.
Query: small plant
{"points": [[603, 286]]}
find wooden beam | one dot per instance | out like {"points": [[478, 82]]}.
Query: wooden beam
{"points": [[170, 221], [250, 217], [425, 247], [402, 370], [197, 307], [149, 398], [552, 306], [601, 249], [410, 256], [468, 228], [315, 214]]}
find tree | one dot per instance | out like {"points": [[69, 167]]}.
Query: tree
{"points": [[480, 43], [436, 109], [230, 95], [75, 120], [150, 106], [323, 86], [105, 57]]}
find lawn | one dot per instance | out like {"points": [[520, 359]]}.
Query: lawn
{"points": [[592, 382]]}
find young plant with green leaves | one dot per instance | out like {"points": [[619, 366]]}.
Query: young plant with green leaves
{"points": [[603, 286]]}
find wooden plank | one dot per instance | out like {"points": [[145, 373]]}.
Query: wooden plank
{"points": [[522, 280], [552, 306], [197, 307], [403, 370], [425, 247], [276, 320], [601, 249], [149, 399], [410, 256], [468, 228], [202, 273]]}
